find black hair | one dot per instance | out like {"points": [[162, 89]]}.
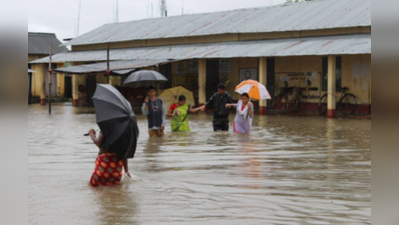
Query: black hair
{"points": [[151, 88], [182, 98], [222, 86], [245, 95]]}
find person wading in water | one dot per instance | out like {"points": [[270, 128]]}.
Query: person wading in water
{"points": [[154, 109], [108, 169], [244, 114], [220, 113], [180, 115]]}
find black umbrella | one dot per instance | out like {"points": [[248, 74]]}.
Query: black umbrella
{"points": [[116, 120], [144, 78]]}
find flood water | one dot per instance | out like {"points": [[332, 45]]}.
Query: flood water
{"points": [[290, 170]]}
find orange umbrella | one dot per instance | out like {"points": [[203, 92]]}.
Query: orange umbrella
{"points": [[254, 89]]}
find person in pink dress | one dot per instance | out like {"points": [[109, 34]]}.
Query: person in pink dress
{"points": [[244, 115]]}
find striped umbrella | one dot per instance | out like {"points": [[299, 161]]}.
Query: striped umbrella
{"points": [[254, 89]]}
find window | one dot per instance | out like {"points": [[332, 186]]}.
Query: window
{"points": [[338, 68]]}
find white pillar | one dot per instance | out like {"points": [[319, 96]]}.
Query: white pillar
{"points": [[263, 80], [202, 81], [331, 106]]}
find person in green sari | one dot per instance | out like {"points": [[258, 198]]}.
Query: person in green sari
{"points": [[180, 115]]}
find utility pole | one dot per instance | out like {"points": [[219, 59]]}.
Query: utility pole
{"points": [[152, 10], [108, 71], [77, 30], [50, 73], [117, 12]]}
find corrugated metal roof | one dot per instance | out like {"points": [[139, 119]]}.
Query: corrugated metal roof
{"points": [[31, 71], [39, 44], [322, 14], [118, 67], [331, 45]]}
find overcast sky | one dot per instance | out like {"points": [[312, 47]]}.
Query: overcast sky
{"points": [[60, 17]]}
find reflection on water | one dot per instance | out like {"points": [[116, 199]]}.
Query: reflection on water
{"points": [[290, 170]]}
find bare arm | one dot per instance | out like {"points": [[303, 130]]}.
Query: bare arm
{"points": [[163, 117], [144, 109], [250, 109], [170, 113], [126, 168], [211, 101], [146, 100], [228, 106], [194, 110], [96, 140]]}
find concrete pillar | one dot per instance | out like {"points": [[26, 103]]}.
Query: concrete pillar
{"points": [[75, 91], [202, 81], [263, 80], [77, 80], [40, 81], [60, 82], [331, 106]]}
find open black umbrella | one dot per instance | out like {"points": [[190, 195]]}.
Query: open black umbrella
{"points": [[144, 78], [116, 120]]}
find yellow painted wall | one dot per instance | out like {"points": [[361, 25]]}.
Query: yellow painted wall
{"points": [[303, 66], [38, 80], [356, 70], [234, 78], [76, 82], [182, 76], [356, 75], [115, 81], [263, 77], [60, 82], [101, 79], [34, 57], [38, 77], [224, 38]]}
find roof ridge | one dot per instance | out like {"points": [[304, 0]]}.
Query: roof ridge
{"points": [[41, 34], [277, 18], [207, 13], [225, 11]]}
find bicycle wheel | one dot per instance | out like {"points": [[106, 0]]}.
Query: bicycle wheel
{"points": [[348, 104], [323, 105]]}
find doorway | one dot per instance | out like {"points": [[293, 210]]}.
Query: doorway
{"points": [[271, 79], [212, 77], [91, 89], [166, 70], [29, 85], [68, 86]]}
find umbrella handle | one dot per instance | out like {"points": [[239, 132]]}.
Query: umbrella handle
{"points": [[86, 135]]}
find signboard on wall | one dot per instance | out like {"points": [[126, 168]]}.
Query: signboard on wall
{"points": [[309, 83], [225, 66], [247, 74]]}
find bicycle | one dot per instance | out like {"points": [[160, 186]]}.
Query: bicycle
{"points": [[347, 103]]}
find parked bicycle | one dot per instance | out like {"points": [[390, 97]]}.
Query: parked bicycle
{"points": [[347, 103]]}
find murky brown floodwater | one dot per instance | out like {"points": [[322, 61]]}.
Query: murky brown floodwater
{"points": [[291, 170]]}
